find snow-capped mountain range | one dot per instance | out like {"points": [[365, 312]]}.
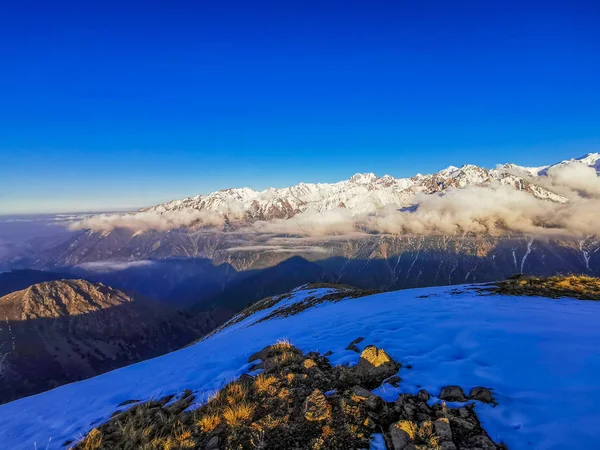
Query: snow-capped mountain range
{"points": [[366, 192]]}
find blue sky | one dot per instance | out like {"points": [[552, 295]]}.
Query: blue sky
{"points": [[110, 105]]}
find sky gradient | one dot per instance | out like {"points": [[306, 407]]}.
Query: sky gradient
{"points": [[105, 105]]}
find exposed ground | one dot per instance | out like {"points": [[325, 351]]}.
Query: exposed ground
{"points": [[582, 287], [300, 402]]}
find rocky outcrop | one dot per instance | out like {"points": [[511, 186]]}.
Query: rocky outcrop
{"points": [[301, 402]]}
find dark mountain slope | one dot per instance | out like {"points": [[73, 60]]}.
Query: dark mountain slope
{"points": [[57, 332]]}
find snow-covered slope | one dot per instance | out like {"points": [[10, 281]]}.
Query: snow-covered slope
{"points": [[364, 193], [539, 356]]}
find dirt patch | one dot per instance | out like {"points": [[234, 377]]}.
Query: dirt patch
{"points": [[297, 402], [342, 293], [581, 287]]}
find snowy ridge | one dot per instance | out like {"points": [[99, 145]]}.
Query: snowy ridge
{"points": [[365, 192], [538, 355]]}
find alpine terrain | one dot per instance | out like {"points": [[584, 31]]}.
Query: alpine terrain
{"points": [[328, 366]]}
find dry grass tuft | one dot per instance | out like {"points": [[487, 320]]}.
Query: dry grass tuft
{"points": [[237, 414], [282, 344], [208, 422], [235, 393], [93, 440], [264, 383]]}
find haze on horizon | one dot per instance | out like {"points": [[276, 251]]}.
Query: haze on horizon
{"points": [[114, 106]]}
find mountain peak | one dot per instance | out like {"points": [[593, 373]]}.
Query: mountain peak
{"points": [[363, 178]]}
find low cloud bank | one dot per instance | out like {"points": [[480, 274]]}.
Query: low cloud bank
{"points": [[113, 266], [150, 220], [494, 208]]}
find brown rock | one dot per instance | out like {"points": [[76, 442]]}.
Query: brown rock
{"points": [[375, 365], [308, 363], [452, 394], [401, 440], [316, 406], [423, 395], [442, 429], [482, 394], [371, 400], [353, 346]]}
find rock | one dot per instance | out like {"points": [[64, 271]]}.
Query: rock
{"points": [[400, 439], [316, 406], [329, 353], [447, 446], [423, 395], [371, 400], [482, 394], [453, 394], [246, 379], [375, 365], [308, 363], [262, 355], [353, 346], [213, 444], [442, 429], [480, 442]]}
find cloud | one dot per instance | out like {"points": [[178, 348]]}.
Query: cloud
{"points": [[579, 178], [113, 266], [151, 220], [494, 209], [279, 249], [311, 223]]}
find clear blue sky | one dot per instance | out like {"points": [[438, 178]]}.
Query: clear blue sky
{"points": [[114, 104]]}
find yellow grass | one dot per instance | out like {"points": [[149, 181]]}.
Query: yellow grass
{"points": [[264, 383], [236, 414], [235, 393], [209, 422], [93, 440]]}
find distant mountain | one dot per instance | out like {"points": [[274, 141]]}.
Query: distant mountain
{"points": [[363, 192], [184, 261], [57, 332]]}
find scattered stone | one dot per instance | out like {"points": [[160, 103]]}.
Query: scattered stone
{"points": [[375, 365], [482, 394], [353, 346], [371, 400], [308, 363], [423, 395], [316, 407], [452, 394], [301, 401], [262, 354], [400, 439], [442, 429], [328, 353], [213, 444]]}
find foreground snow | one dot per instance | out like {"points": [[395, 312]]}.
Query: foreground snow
{"points": [[540, 356]]}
